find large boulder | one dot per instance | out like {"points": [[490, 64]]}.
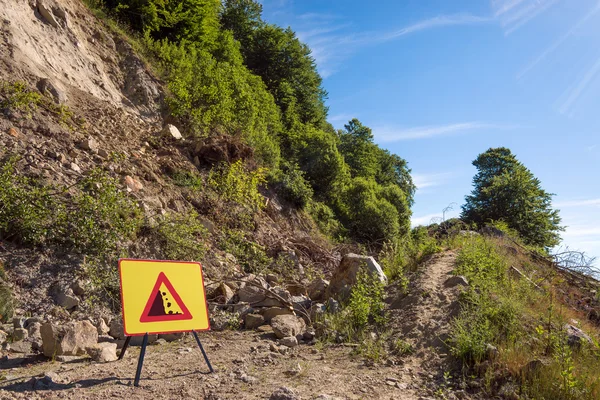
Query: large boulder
{"points": [[317, 289], [287, 325], [70, 339], [345, 276], [575, 336]]}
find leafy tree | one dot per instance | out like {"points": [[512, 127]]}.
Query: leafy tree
{"points": [[243, 18], [286, 66], [505, 190], [358, 149]]}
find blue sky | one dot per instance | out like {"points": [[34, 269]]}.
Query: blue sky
{"points": [[441, 81]]}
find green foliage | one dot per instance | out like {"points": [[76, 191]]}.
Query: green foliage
{"points": [[250, 255], [292, 186], [182, 236], [236, 185], [100, 216], [358, 149], [94, 220], [16, 96], [366, 301], [504, 190], [6, 302], [26, 207], [325, 218]]}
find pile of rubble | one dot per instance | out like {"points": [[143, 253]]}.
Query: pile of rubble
{"points": [[258, 302]]}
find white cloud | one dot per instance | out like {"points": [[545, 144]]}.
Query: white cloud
{"points": [[578, 203], [388, 134], [435, 22], [575, 92], [423, 181], [425, 219]]}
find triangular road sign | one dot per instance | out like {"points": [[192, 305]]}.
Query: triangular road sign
{"points": [[164, 304]]}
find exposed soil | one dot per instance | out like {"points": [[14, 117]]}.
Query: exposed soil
{"points": [[246, 368]]}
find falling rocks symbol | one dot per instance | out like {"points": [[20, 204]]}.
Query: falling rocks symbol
{"points": [[164, 303]]}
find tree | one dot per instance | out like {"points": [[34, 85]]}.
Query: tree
{"points": [[505, 190], [358, 149], [243, 18]]}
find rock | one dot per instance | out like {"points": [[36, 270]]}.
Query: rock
{"points": [[32, 320], [289, 341], [252, 294], [253, 321], [248, 379], [316, 311], [47, 87], [576, 336], [270, 313], [272, 279], [66, 299], [13, 132], [328, 397], [171, 131], [67, 359], [18, 322], [103, 352], [89, 144], [103, 153], [20, 334], [317, 289], [223, 294], [46, 13], [116, 329], [3, 337], [101, 327], [309, 334], [492, 231], [106, 339], [137, 340], [70, 339], [533, 367], [34, 330], [74, 167], [333, 306], [346, 273], [284, 393], [491, 351], [133, 185], [22, 346], [242, 309], [171, 337], [455, 281], [287, 325]]}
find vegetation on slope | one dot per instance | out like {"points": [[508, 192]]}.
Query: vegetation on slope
{"points": [[229, 72]]}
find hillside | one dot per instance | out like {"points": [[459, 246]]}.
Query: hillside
{"points": [[154, 139]]}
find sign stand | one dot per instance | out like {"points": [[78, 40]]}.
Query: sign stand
{"points": [[138, 372]]}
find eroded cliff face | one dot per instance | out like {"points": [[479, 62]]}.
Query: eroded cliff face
{"points": [[60, 40]]}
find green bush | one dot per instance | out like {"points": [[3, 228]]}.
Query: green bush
{"points": [[26, 207], [292, 186], [6, 302], [100, 216], [234, 184], [16, 96], [250, 255], [182, 236]]}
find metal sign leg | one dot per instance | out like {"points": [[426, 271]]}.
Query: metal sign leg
{"points": [[124, 349], [138, 373], [203, 352]]}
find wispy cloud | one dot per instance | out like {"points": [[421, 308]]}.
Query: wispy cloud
{"points": [[513, 14], [557, 43], [578, 203], [591, 148], [423, 181], [332, 42], [388, 134], [573, 94]]}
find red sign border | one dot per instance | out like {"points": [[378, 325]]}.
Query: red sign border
{"points": [[161, 261]]}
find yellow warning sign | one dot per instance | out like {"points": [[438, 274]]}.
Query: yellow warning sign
{"points": [[162, 297]]}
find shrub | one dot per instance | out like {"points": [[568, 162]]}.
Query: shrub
{"points": [[16, 96], [26, 207], [250, 255], [101, 216], [6, 302], [292, 186], [234, 184], [182, 236]]}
